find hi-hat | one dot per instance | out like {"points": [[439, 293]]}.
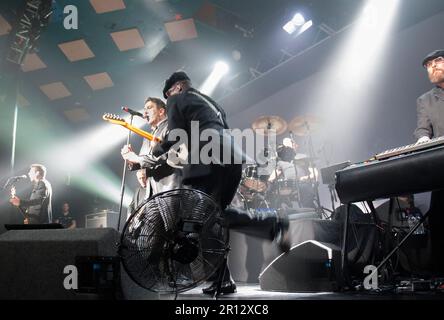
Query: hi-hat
{"points": [[302, 126], [269, 124]]}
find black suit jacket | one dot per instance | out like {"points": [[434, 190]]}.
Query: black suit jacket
{"points": [[184, 108], [39, 204], [138, 199]]}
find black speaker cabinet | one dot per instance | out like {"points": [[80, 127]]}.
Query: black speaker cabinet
{"points": [[33, 263], [311, 266]]}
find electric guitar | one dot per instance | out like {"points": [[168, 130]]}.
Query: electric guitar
{"points": [[175, 158], [23, 211]]}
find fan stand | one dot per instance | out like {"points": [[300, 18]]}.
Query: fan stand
{"points": [[224, 270], [222, 274]]}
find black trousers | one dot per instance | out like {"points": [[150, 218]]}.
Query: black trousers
{"points": [[222, 185], [436, 223]]}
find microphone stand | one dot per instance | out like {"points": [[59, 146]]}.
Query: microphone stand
{"points": [[296, 178], [331, 186], [122, 189], [319, 208]]}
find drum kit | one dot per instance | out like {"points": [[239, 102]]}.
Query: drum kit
{"points": [[291, 181]]}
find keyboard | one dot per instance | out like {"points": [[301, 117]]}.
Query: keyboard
{"points": [[410, 148], [413, 171]]}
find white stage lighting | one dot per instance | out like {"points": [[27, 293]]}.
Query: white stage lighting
{"points": [[219, 71], [298, 23], [221, 68]]}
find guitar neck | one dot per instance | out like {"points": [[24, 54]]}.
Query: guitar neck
{"points": [[141, 132]]}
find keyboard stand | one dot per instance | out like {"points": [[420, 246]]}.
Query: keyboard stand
{"points": [[344, 248], [344, 258]]}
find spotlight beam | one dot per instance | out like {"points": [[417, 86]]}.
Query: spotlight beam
{"points": [[219, 71]]}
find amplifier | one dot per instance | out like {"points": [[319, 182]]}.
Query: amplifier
{"points": [[328, 173], [103, 219]]}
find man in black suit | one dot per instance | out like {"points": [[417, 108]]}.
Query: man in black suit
{"points": [[430, 108], [141, 193], [38, 207], [186, 107]]}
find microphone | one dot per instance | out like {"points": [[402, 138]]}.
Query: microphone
{"points": [[132, 112], [11, 180], [16, 178]]}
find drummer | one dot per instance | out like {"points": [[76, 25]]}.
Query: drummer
{"points": [[292, 165], [284, 167]]}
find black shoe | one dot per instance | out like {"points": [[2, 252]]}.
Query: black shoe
{"points": [[226, 287], [282, 233]]}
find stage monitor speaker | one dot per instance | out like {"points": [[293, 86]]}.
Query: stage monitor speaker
{"points": [[33, 264], [311, 266]]}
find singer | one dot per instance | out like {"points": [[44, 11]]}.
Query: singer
{"points": [[160, 176], [38, 207]]}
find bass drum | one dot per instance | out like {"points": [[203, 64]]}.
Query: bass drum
{"points": [[245, 200], [285, 187]]}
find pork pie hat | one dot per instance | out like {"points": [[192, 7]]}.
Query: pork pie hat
{"points": [[176, 76]]}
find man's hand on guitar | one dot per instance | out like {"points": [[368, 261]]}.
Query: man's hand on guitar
{"points": [[128, 154], [15, 201]]}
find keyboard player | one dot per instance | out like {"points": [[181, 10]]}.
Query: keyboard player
{"points": [[430, 110]]}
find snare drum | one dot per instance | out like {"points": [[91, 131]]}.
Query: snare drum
{"points": [[285, 187], [253, 181]]}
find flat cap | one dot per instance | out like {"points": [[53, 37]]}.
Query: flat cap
{"points": [[432, 55]]}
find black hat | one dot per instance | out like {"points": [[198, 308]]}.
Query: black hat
{"points": [[176, 76], [432, 55]]}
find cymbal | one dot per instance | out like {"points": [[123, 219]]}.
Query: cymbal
{"points": [[269, 124], [302, 126]]}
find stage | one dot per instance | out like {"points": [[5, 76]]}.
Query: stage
{"points": [[248, 291]]}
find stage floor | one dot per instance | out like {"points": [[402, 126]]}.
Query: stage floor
{"points": [[253, 292]]}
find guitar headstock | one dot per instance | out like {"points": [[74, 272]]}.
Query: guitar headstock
{"points": [[114, 119], [13, 192]]}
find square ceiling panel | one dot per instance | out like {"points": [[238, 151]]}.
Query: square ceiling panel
{"points": [[22, 101], [103, 6], [32, 62], [76, 50], [5, 27], [99, 81], [181, 30], [128, 39], [56, 90], [76, 115]]}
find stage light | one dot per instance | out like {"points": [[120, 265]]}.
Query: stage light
{"points": [[221, 68], [237, 56], [219, 71], [350, 75], [89, 147], [104, 183], [297, 23]]}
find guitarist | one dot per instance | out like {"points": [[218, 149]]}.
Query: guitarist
{"points": [[160, 175], [38, 207]]}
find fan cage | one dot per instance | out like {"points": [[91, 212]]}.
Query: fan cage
{"points": [[174, 241]]}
